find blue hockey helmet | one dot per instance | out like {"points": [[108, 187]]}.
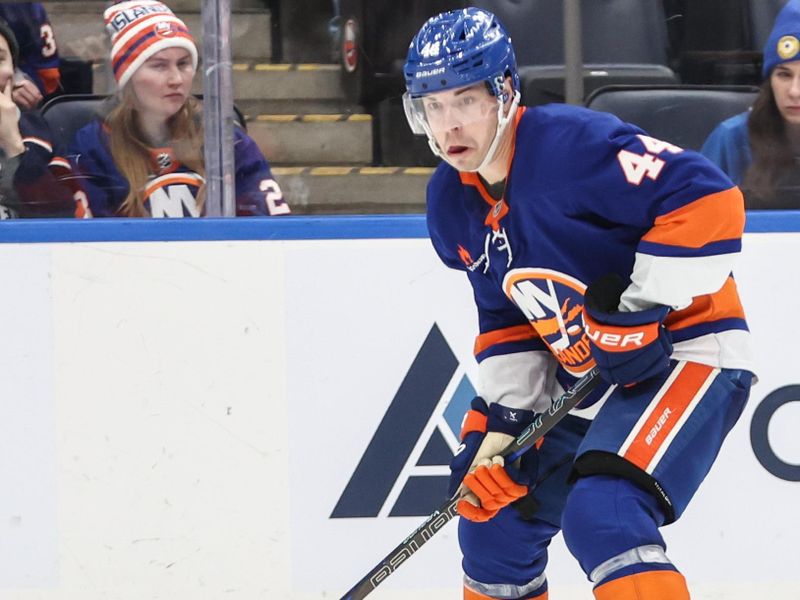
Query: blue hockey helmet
{"points": [[460, 48]]}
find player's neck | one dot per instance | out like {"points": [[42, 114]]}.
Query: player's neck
{"points": [[497, 170]]}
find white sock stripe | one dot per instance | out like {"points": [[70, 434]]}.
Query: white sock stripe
{"points": [[504, 591], [635, 556]]}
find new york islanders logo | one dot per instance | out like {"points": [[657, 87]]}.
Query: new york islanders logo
{"points": [[165, 29], [553, 303]]}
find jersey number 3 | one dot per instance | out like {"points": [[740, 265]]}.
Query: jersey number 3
{"points": [[638, 166]]}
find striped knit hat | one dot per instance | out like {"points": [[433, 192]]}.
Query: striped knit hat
{"points": [[139, 29]]}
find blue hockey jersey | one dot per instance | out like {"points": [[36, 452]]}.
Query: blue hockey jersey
{"points": [[173, 187], [587, 194], [37, 43], [30, 183]]}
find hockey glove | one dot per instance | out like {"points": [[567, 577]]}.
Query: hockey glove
{"points": [[476, 469], [628, 347]]}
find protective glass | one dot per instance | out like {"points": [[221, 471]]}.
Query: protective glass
{"points": [[441, 112]]}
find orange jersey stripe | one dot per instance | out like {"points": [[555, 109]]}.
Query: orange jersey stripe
{"points": [[51, 79], [713, 218], [652, 585], [666, 415], [724, 304], [498, 336]]}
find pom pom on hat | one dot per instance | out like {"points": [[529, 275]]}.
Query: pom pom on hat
{"points": [[140, 29], [783, 44]]}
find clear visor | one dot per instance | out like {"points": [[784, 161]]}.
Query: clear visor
{"points": [[435, 113]]}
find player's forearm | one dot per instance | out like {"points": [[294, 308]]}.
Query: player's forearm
{"points": [[517, 380]]}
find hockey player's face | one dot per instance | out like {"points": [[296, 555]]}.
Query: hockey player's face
{"points": [[463, 122], [162, 84], [785, 81], [6, 66]]}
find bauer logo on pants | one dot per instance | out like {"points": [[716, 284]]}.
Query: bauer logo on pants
{"points": [[404, 469]]}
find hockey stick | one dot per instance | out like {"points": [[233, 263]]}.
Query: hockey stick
{"points": [[445, 513]]}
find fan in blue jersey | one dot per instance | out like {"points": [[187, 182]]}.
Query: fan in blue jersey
{"points": [[39, 59], [145, 159], [587, 243], [28, 162]]}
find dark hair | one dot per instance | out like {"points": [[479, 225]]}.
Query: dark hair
{"points": [[772, 152], [11, 39]]}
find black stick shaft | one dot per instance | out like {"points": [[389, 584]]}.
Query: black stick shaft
{"points": [[447, 511]]}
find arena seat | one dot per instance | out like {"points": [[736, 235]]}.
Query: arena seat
{"points": [[623, 42], [762, 18], [682, 115], [67, 113]]}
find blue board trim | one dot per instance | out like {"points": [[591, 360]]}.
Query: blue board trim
{"points": [[27, 231]]}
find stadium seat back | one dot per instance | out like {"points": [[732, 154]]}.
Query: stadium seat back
{"points": [[681, 115], [66, 114], [614, 31]]}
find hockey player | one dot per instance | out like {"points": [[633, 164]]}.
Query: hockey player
{"points": [[586, 243], [146, 158], [28, 160]]}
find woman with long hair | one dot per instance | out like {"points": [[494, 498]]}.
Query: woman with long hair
{"points": [[760, 149], [145, 158]]}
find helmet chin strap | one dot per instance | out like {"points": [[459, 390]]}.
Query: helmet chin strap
{"points": [[502, 123]]}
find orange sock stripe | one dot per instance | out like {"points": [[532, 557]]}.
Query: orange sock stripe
{"points": [[473, 595], [652, 585]]}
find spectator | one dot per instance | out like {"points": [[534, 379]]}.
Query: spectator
{"points": [[38, 73], [760, 149], [145, 159], [28, 187]]}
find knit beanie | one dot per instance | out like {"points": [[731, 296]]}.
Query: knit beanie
{"points": [[783, 44], [139, 29]]}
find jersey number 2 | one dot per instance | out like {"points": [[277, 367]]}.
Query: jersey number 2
{"points": [[638, 166]]}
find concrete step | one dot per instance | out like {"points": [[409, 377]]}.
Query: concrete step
{"points": [[259, 106], [79, 30], [313, 139], [262, 81], [353, 190]]}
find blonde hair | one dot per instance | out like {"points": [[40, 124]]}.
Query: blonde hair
{"points": [[132, 157]]}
